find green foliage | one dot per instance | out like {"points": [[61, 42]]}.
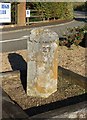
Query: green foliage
{"points": [[53, 10], [75, 36], [80, 6], [46, 10]]}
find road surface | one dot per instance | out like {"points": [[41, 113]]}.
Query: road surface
{"points": [[12, 40]]}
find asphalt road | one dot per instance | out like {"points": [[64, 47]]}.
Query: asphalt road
{"points": [[12, 40]]}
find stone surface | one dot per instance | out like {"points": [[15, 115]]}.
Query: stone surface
{"points": [[42, 63]]}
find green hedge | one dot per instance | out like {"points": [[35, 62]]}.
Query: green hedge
{"points": [[55, 10]]}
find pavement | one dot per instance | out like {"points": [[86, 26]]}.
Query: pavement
{"points": [[14, 37], [67, 112], [38, 24], [11, 110], [77, 14]]}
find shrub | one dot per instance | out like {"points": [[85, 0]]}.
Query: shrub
{"points": [[75, 36]]}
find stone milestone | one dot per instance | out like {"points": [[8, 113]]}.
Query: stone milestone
{"points": [[42, 73]]}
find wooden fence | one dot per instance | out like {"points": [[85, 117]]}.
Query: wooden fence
{"points": [[35, 16]]}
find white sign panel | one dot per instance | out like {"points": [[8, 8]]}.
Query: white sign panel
{"points": [[5, 12], [27, 13]]}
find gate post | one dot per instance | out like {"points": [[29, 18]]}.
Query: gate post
{"points": [[42, 73], [21, 13]]}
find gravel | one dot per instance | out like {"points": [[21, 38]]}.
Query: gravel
{"points": [[73, 60]]}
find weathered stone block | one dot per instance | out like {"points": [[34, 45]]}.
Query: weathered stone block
{"points": [[42, 63]]}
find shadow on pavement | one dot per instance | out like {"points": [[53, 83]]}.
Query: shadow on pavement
{"points": [[56, 105], [18, 63], [81, 19]]}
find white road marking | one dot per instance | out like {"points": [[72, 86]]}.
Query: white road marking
{"points": [[13, 40], [25, 36], [36, 27]]}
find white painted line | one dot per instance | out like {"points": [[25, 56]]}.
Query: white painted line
{"points": [[25, 36], [13, 40], [36, 27], [59, 24]]}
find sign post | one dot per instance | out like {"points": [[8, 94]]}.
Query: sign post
{"points": [[5, 12], [27, 15]]}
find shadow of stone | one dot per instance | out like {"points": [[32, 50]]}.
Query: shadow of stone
{"points": [[18, 63], [84, 41]]}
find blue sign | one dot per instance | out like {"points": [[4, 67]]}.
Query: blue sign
{"points": [[2, 11], [5, 6], [5, 12]]}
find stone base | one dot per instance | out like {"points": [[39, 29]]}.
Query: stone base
{"points": [[41, 89], [39, 94]]}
